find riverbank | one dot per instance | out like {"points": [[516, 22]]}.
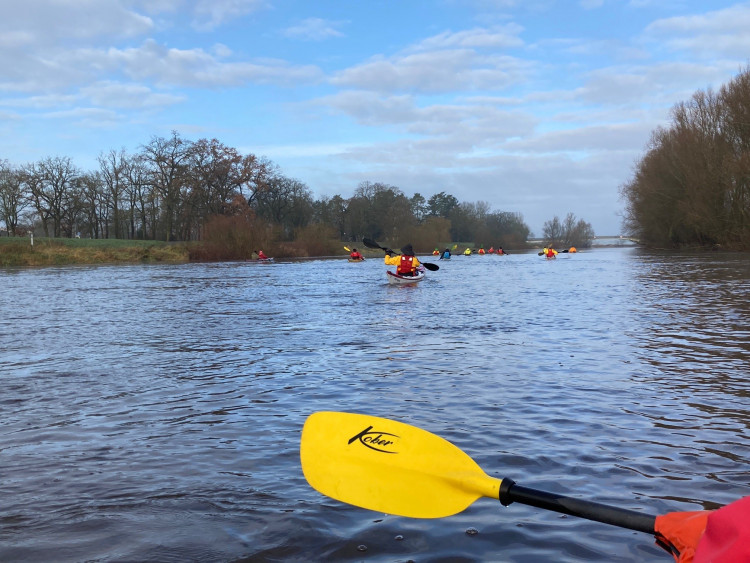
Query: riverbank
{"points": [[18, 251]]}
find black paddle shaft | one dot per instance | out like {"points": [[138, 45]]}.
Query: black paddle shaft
{"points": [[369, 243], [630, 519]]}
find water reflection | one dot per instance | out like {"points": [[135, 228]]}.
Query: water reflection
{"points": [[153, 412]]}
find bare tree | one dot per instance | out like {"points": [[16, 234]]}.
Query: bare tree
{"points": [[142, 199], [167, 162], [552, 232], [112, 170], [92, 195], [12, 196], [50, 182], [692, 187]]}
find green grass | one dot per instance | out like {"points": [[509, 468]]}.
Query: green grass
{"points": [[18, 251]]}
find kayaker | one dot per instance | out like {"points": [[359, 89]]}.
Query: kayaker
{"points": [[481, 250], [707, 535], [355, 255], [500, 250], [261, 255], [406, 264], [467, 252], [436, 252], [550, 252], [446, 255]]}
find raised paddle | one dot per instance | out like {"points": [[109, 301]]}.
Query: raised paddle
{"points": [[396, 468], [347, 249], [369, 243]]}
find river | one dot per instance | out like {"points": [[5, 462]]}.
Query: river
{"points": [[153, 412]]}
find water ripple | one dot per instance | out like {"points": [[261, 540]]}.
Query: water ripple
{"points": [[153, 413]]}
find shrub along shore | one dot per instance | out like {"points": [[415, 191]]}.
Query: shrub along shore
{"points": [[19, 251]]}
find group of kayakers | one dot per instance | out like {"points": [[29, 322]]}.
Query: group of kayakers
{"points": [[446, 254], [355, 255], [549, 252]]}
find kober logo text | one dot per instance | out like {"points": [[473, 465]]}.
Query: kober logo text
{"points": [[379, 441]]}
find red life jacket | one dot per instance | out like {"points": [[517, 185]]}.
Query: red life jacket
{"points": [[406, 266]]}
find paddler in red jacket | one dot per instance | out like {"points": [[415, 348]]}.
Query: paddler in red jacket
{"points": [[261, 255], [355, 255], [406, 264]]}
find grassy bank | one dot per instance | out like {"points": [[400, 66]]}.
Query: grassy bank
{"points": [[18, 251]]}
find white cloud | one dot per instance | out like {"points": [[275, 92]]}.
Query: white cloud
{"points": [[39, 102], [589, 139], [198, 68], [86, 117], [46, 22], [721, 31], [448, 62], [133, 96], [469, 124], [502, 37], [210, 14], [434, 72], [658, 84], [314, 29], [150, 61]]}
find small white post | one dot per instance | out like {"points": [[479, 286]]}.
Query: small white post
{"points": [[32, 238]]}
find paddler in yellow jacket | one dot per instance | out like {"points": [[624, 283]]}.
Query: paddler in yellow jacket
{"points": [[406, 264]]}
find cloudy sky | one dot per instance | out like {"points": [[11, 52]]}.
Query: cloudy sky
{"points": [[540, 107]]}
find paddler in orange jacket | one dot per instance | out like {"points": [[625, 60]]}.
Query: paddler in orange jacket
{"points": [[406, 264]]}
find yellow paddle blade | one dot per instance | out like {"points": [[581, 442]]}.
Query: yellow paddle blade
{"points": [[390, 466], [347, 249]]}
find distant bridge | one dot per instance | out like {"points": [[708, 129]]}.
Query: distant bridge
{"points": [[613, 240]]}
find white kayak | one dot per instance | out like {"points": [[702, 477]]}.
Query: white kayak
{"points": [[403, 280]]}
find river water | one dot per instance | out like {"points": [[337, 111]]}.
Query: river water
{"points": [[153, 412]]}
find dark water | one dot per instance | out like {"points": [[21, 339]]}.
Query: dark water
{"points": [[153, 413]]}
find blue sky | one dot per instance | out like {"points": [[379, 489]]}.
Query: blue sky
{"points": [[533, 106]]}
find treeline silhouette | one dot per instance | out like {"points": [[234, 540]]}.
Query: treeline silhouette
{"points": [[692, 186], [174, 189]]}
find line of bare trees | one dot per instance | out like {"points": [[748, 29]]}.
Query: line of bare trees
{"points": [[173, 188], [164, 192], [692, 186], [568, 232]]}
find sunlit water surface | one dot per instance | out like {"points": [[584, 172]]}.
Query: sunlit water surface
{"points": [[153, 413]]}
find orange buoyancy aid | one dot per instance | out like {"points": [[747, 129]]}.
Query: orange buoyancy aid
{"points": [[406, 266]]}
